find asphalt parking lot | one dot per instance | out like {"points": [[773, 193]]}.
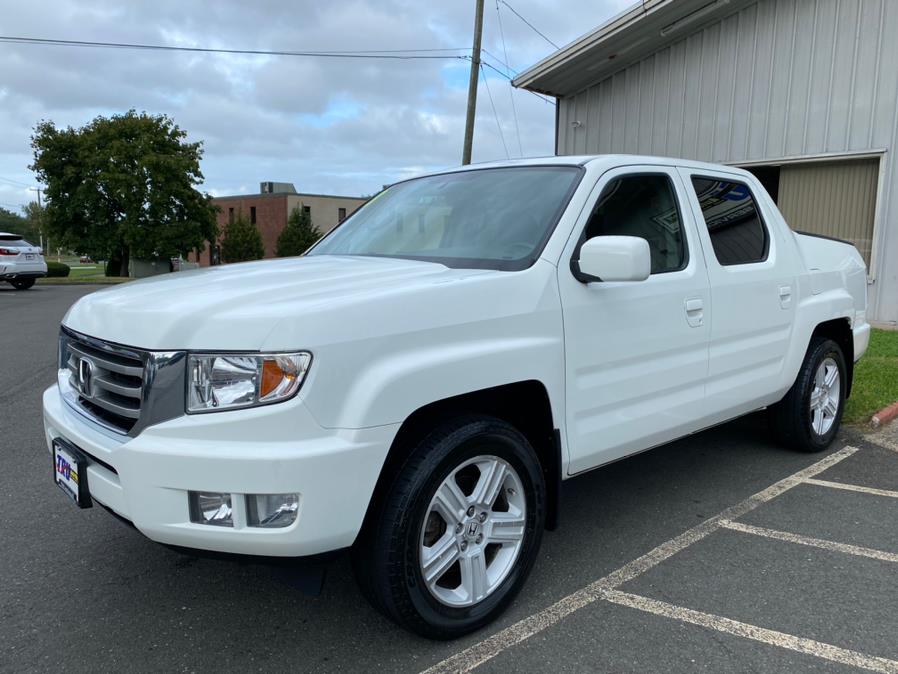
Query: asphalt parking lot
{"points": [[720, 552]]}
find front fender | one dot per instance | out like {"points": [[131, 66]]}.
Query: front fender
{"points": [[398, 384], [417, 348]]}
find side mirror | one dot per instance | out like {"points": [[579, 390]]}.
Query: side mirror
{"points": [[613, 258]]}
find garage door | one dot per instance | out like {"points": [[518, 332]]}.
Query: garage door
{"points": [[835, 199]]}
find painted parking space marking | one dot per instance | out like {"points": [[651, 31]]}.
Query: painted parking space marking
{"points": [[843, 656], [853, 487], [887, 443], [476, 655], [823, 544]]}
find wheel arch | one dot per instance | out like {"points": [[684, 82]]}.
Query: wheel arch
{"points": [[525, 405], [839, 331]]}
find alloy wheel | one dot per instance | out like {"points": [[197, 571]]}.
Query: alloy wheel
{"points": [[473, 531], [825, 396]]}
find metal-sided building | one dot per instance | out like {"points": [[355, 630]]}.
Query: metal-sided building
{"points": [[804, 93]]}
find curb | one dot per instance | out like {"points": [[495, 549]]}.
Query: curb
{"points": [[885, 415]]}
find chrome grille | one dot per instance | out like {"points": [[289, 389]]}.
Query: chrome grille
{"points": [[122, 388], [109, 383]]}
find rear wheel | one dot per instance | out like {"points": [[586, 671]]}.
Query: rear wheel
{"points": [[22, 283], [453, 541], [810, 414]]}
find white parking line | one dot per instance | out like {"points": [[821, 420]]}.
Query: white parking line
{"points": [[843, 656], [476, 655], [812, 542], [854, 487]]}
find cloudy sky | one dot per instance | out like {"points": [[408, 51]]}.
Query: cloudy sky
{"points": [[344, 126]]}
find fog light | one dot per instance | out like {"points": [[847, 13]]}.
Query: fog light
{"points": [[271, 511], [207, 507]]}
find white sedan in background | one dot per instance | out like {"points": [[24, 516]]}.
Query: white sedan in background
{"points": [[21, 263]]}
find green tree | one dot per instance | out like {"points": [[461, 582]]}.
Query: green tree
{"points": [[298, 235], [34, 218], [123, 186], [12, 222], [24, 225], [242, 241]]}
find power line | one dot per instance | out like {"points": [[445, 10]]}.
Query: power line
{"points": [[544, 99], [495, 114], [534, 28], [514, 110], [507, 67], [14, 182], [398, 54]]}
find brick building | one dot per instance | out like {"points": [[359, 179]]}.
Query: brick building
{"points": [[269, 211]]}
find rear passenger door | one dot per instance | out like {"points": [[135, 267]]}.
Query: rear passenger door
{"points": [[636, 353], [753, 291]]}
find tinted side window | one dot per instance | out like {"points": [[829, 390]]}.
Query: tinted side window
{"points": [[737, 232], [643, 206]]}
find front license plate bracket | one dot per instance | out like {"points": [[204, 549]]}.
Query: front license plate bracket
{"points": [[70, 472]]}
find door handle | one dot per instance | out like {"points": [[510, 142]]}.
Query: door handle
{"points": [[695, 311], [785, 296]]}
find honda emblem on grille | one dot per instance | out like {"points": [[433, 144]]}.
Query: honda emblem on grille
{"points": [[85, 372]]}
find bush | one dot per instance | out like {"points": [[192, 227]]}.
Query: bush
{"points": [[57, 269]]}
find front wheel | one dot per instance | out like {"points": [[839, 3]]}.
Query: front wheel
{"points": [[454, 540], [810, 414]]}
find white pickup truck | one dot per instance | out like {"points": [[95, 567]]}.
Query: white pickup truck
{"points": [[418, 385]]}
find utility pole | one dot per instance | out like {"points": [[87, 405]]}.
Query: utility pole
{"points": [[472, 83]]}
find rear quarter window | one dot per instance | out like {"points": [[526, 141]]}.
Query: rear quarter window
{"points": [[738, 233]]}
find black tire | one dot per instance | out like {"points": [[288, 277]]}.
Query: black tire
{"points": [[386, 556], [22, 283], [791, 418]]}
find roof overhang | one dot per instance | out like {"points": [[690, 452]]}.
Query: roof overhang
{"points": [[628, 37]]}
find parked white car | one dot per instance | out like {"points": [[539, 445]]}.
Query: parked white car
{"points": [[21, 263], [417, 387]]}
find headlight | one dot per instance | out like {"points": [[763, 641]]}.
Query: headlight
{"points": [[233, 380]]}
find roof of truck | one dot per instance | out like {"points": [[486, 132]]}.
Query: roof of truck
{"points": [[611, 160]]}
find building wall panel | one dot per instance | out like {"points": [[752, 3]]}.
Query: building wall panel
{"points": [[774, 122], [661, 99], [801, 66], [761, 80], [743, 79], [693, 100], [774, 80], [866, 73]]}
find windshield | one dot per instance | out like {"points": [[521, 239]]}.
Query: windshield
{"points": [[487, 218]]}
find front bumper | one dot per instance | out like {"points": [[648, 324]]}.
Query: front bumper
{"points": [[267, 450]]}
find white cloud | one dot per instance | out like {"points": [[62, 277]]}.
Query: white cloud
{"points": [[328, 125]]}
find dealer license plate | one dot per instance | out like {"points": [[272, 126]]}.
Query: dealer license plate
{"points": [[70, 472], [29, 256]]}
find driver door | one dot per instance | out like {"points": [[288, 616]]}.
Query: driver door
{"points": [[636, 353]]}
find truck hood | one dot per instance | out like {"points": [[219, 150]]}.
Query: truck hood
{"points": [[239, 306]]}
